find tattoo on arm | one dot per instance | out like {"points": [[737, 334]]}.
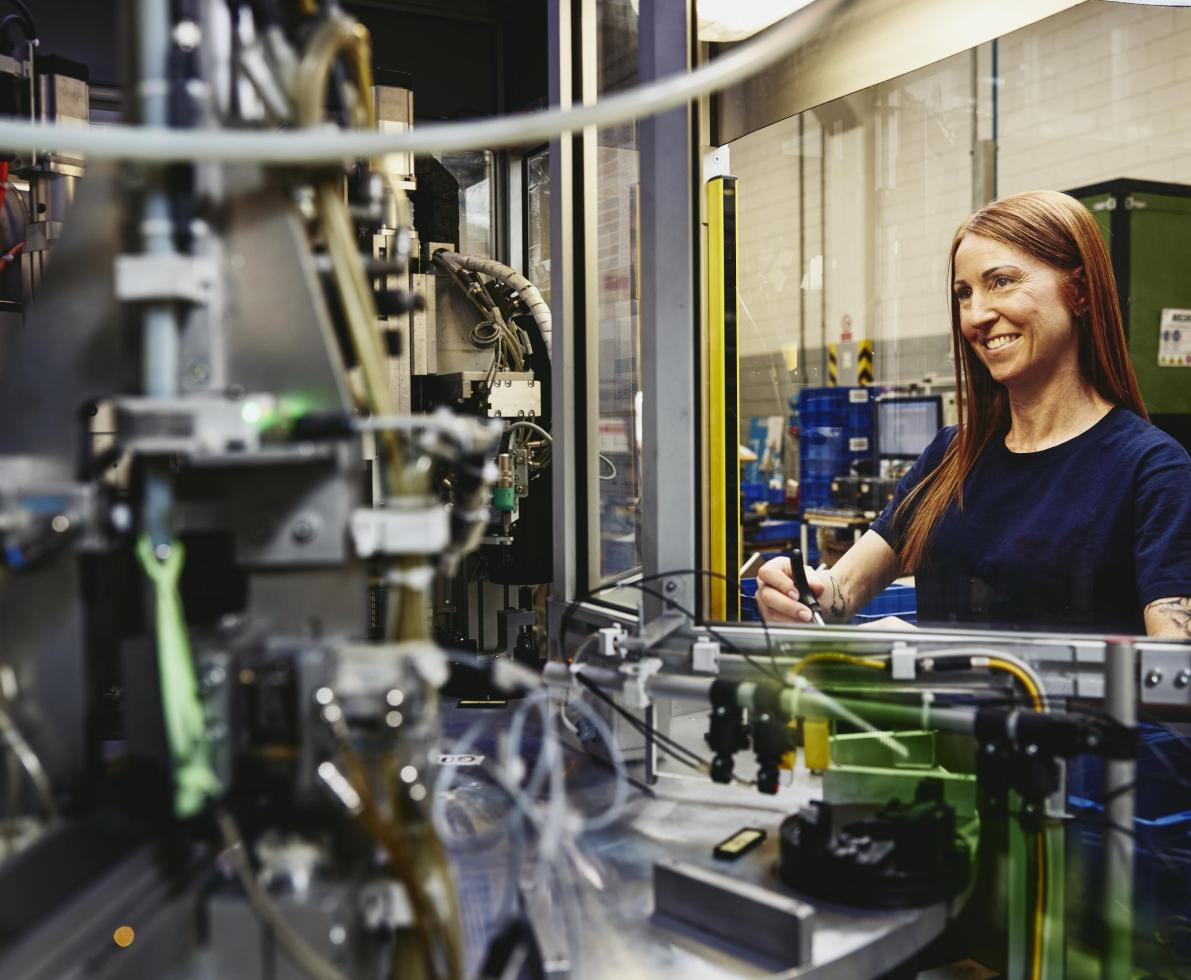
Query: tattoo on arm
{"points": [[838, 607], [1175, 612]]}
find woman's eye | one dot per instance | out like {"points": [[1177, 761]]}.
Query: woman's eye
{"points": [[1001, 281], [963, 293]]}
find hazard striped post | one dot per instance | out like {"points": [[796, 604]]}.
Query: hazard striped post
{"points": [[864, 363]]}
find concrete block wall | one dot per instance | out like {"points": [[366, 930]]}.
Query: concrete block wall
{"points": [[1102, 90]]}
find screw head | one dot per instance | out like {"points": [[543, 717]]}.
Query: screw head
{"points": [[1031, 750], [1182, 678], [302, 531], [1153, 678], [671, 586]]}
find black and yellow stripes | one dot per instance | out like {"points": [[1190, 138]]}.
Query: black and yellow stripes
{"points": [[864, 363], [723, 364]]}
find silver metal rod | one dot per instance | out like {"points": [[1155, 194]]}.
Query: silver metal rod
{"points": [[804, 702], [160, 324], [1120, 699]]}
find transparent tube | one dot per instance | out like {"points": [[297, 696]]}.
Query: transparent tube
{"points": [[327, 144]]}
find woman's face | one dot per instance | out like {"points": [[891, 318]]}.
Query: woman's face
{"points": [[1015, 312]]}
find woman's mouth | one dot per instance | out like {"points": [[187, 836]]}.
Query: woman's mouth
{"points": [[1001, 340]]}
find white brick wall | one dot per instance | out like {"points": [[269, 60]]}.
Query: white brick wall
{"points": [[1100, 91]]}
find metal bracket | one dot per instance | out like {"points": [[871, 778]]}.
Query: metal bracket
{"points": [[636, 677], [656, 631], [902, 662], [146, 278], [420, 530], [610, 636], [191, 426], [1164, 675], [705, 656]]}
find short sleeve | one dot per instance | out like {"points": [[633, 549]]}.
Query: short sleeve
{"points": [[1162, 523], [931, 457]]}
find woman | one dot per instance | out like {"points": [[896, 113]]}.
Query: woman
{"points": [[1054, 504]]}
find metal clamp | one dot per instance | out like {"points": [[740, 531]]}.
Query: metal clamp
{"points": [[903, 662], [610, 637], [148, 278], [705, 656], [192, 426], [419, 530], [636, 678]]}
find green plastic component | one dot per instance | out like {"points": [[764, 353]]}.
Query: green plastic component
{"points": [[504, 498], [182, 708]]}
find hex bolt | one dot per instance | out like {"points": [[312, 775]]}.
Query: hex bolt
{"points": [[1182, 678], [1154, 678], [213, 677]]}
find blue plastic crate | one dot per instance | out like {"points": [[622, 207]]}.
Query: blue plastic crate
{"points": [[895, 600], [776, 531], [1162, 837], [835, 433], [752, 492]]}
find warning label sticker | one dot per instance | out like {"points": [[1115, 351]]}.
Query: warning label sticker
{"points": [[1174, 339]]}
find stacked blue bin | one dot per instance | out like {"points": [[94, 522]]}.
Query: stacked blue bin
{"points": [[896, 600], [835, 432], [1161, 840]]}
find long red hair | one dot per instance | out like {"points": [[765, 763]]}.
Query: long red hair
{"points": [[1059, 231]]}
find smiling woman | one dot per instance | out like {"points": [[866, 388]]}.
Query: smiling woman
{"points": [[1054, 504]]}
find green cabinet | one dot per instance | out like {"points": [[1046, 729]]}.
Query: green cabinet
{"points": [[1148, 229]]}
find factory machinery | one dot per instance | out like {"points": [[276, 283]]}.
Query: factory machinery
{"points": [[261, 439]]}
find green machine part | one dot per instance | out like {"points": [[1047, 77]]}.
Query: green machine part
{"points": [[504, 498], [1147, 226]]}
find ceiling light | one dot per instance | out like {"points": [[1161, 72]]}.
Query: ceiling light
{"points": [[734, 20]]}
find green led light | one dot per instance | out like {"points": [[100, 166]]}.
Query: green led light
{"points": [[251, 413]]}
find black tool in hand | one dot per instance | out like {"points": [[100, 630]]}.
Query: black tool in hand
{"points": [[805, 595]]}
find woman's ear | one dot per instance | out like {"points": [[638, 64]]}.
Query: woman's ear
{"points": [[1077, 285]]}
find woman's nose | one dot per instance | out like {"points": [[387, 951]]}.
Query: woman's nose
{"points": [[979, 312]]}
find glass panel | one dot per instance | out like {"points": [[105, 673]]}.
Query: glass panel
{"points": [[537, 187], [847, 213], [473, 170], [617, 163]]}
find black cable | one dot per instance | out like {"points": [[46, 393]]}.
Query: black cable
{"points": [[569, 615], [642, 726], [775, 672], [665, 743], [26, 14], [635, 783]]}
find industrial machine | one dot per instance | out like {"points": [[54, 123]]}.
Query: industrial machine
{"points": [[270, 443], [258, 446]]}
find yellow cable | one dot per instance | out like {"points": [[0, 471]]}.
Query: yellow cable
{"points": [[836, 658], [1023, 677]]}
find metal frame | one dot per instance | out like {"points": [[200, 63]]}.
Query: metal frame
{"points": [[563, 300], [669, 329]]}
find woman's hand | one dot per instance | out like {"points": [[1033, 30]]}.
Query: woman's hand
{"points": [[777, 595], [865, 570]]}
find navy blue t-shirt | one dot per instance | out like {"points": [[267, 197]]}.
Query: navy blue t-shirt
{"points": [[1079, 537]]}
